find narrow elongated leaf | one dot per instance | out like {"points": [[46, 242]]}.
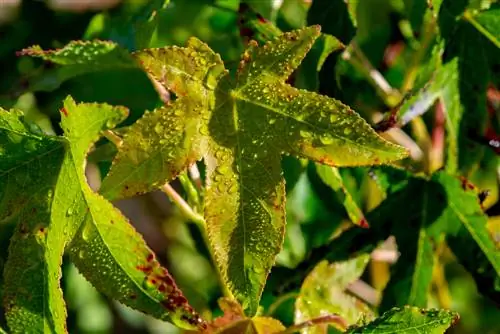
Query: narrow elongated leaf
{"points": [[78, 58], [65, 213], [244, 128], [30, 196], [323, 292], [411, 320]]}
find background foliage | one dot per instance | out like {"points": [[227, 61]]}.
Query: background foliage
{"points": [[423, 73]]}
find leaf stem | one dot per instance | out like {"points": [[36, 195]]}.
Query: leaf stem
{"points": [[280, 300], [340, 323], [354, 55], [190, 214], [186, 210], [194, 172], [190, 189], [113, 137], [470, 18]]}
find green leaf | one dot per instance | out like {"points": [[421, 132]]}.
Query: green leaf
{"points": [[335, 17], [241, 130], [129, 274], [472, 68], [77, 58], [332, 177], [323, 292], [31, 196], [409, 320], [441, 209], [133, 29], [63, 212]]}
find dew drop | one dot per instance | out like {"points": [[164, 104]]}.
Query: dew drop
{"points": [[147, 284], [333, 118], [69, 212], [347, 131], [305, 134], [159, 128], [233, 189], [272, 120], [326, 140], [224, 169], [86, 230]]}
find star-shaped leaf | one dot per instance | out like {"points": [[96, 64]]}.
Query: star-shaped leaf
{"points": [[43, 189], [241, 129]]}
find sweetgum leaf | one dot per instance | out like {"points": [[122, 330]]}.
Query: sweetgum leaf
{"points": [[31, 196], [409, 320], [323, 292], [65, 213], [106, 249], [77, 58], [241, 129]]}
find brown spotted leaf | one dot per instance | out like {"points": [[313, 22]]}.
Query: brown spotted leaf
{"points": [[241, 129], [44, 190]]}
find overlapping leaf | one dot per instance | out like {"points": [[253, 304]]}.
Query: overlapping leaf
{"points": [[411, 320], [332, 177], [323, 293], [241, 130], [78, 58], [43, 188]]}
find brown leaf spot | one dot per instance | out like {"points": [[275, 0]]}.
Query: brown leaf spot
{"points": [[145, 269], [64, 111], [363, 223]]}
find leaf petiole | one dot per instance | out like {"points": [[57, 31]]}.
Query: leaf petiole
{"points": [[113, 137], [186, 210]]}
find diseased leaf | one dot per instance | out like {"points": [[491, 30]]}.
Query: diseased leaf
{"points": [[78, 58], [129, 274], [243, 128], [323, 292], [411, 320], [332, 177], [66, 213]]}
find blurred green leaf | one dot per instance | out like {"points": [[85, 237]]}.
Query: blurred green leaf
{"points": [[473, 67], [409, 320], [77, 58], [332, 177]]}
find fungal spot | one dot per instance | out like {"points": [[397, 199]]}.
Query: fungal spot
{"points": [[64, 111]]}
